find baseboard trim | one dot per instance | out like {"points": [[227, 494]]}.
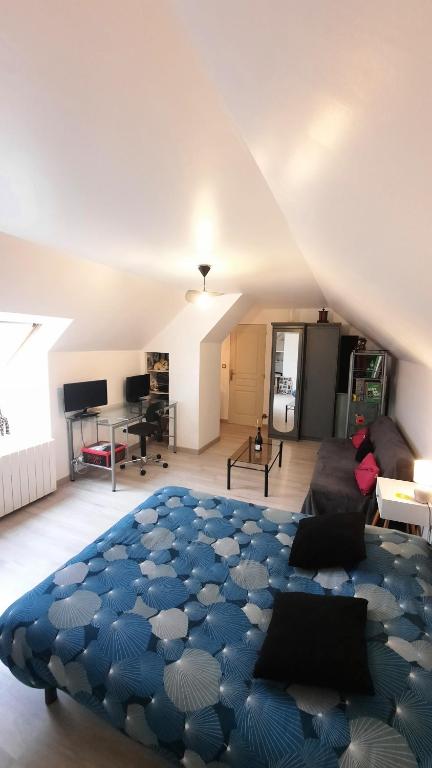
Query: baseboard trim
{"points": [[179, 448], [197, 451]]}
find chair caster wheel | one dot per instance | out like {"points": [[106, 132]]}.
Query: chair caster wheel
{"points": [[134, 458], [164, 465], [122, 466], [158, 456], [142, 471]]}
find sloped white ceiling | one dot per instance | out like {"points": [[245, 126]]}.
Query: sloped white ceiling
{"points": [[286, 142], [109, 309], [333, 100], [115, 146]]}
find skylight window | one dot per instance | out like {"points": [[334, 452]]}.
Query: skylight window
{"points": [[25, 341], [13, 337], [23, 378]]}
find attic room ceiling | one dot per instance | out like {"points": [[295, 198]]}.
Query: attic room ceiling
{"points": [[285, 142], [115, 146], [333, 100]]}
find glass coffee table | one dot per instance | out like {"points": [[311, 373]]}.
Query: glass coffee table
{"points": [[246, 457]]}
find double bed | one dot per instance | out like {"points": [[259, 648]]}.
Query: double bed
{"points": [[156, 626]]}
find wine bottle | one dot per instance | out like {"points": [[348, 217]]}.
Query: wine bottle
{"points": [[258, 438]]}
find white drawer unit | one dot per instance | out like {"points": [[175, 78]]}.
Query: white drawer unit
{"points": [[395, 499], [26, 473]]}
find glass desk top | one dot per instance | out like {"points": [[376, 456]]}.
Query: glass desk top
{"points": [[122, 412], [246, 453]]}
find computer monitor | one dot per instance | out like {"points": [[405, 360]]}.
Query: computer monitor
{"points": [[137, 387], [82, 395]]}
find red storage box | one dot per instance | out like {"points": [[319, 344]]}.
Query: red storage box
{"points": [[100, 454]]}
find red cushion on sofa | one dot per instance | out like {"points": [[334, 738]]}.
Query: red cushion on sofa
{"points": [[366, 474], [359, 436]]}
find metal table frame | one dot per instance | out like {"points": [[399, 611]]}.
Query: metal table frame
{"points": [[115, 417], [262, 468]]}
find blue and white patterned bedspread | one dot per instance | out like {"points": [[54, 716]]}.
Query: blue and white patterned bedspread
{"points": [[156, 626]]}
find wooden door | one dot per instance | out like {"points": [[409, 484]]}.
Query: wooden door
{"points": [[247, 366]]}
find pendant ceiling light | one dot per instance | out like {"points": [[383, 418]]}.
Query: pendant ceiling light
{"points": [[204, 296]]}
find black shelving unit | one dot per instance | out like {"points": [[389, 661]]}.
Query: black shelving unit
{"points": [[367, 388]]}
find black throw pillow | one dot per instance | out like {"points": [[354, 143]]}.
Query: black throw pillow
{"points": [[365, 447], [333, 540], [317, 640]]}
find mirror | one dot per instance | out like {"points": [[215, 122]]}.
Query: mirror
{"points": [[285, 380]]}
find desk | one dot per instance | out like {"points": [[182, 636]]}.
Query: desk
{"points": [[115, 417]]}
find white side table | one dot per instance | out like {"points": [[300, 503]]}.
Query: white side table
{"points": [[396, 502]]}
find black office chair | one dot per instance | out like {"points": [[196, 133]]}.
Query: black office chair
{"points": [[152, 427]]}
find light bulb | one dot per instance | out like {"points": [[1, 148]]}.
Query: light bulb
{"points": [[203, 300]]}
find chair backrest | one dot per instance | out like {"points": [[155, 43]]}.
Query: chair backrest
{"points": [[154, 412]]}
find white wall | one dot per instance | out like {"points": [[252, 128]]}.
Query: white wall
{"points": [[112, 313], [67, 367], [98, 308], [412, 405], [209, 400], [182, 340]]}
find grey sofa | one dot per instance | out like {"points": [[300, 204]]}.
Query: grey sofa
{"points": [[333, 486]]}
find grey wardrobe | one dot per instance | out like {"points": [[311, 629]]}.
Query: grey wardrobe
{"points": [[303, 380]]}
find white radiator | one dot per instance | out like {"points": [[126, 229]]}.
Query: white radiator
{"points": [[26, 474]]}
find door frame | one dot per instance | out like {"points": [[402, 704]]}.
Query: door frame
{"points": [[295, 432]]}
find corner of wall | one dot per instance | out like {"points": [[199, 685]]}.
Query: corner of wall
{"points": [[193, 340]]}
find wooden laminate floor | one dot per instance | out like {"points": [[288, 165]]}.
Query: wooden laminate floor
{"points": [[38, 539]]}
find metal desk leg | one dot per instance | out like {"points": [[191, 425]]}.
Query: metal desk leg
{"points": [[266, 477], [280, 453], [113, 462], [70, 449], [228, 474], [175, 428]]}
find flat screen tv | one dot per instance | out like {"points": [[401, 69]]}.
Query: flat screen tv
{"points": [[137, 387], [84, 394]]}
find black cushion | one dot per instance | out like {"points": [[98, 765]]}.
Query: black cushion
{"points": [[365, 447], [317, 640], [334, 540]]}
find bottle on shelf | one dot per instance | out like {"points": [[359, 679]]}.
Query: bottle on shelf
{"points": [[258, 438]]}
